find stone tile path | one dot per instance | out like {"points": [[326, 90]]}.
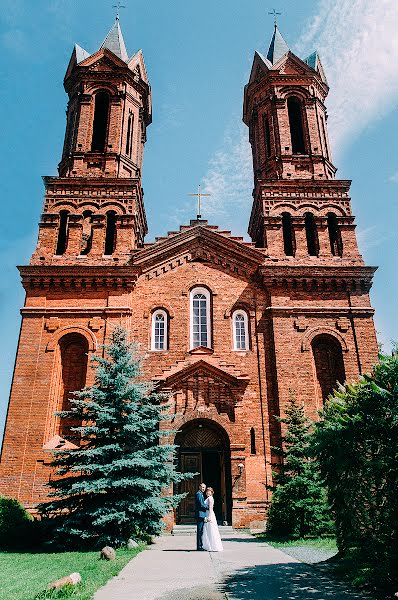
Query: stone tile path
{"points": [[171, 569]]}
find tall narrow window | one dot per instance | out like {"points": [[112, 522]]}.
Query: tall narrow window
{"points": [[336, 243], [159, 330], [200, 318], [240, 330], [73, 351], [129, 140], [267, 136], [311, 235], [325, 141], [62, 241], [296, 125], [110, 235], [252, 441], [288, 234], [100, 123]]}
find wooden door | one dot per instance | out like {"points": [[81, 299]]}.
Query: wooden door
{"points": [[190, 462]]}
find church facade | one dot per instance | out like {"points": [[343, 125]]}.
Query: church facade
{"points": [[230, 329]]}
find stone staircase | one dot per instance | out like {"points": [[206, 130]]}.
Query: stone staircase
{"points": [[225, 530]]}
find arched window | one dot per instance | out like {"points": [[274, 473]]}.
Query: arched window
{"points": [[328, 363], [62, 241], [100, 122], [240, 330], [200, 333], [311, 235], [110, 234], [296, 125], [159, 330], [87, 233], [73, 350], [252, 441], [129, 140], [288, 234], [336, 244]]}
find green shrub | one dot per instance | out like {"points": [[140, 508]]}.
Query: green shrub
{"points": [[357, 448], [16, 524]]}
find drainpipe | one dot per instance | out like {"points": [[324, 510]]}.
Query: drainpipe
{"points": [[260, 386], [351, 318]]}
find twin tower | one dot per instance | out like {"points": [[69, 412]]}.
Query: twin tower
{"points": [[94, 211]]}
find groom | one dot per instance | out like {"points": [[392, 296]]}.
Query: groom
{"points": [[200, 514]]}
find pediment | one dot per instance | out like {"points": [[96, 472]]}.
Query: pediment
{"points": [[200, 244], [104, 59], [205, 371]]}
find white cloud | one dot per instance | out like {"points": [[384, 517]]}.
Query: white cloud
{"points": [[358, 45]]}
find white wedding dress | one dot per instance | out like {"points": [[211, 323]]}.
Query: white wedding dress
{"points": [[211, 536]]}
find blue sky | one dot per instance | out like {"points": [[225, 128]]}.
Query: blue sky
{"points": [[198, 56]]}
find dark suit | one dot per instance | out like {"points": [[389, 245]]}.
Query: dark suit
{"points": [[200, 514]]}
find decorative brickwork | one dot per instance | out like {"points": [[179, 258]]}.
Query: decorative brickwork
{"points": [[302, 284]]}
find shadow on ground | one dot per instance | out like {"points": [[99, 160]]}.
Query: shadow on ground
{"points": [[290, 581]]}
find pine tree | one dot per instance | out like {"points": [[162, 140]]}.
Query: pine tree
{"points": [[299, 501], [110, 488]]}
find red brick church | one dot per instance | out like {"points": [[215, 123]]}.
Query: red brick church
{"points": [[230, 328]]}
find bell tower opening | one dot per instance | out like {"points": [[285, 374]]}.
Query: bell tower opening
{"points": [[296, 125], [204, 449], [100, 122]]}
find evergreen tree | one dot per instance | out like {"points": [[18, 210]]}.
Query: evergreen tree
{"points": [[299, 500], [110, 488]]}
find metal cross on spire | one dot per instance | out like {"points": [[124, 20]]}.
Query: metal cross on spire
{"points": [[118, 6], [199, 196], [275, 14]]}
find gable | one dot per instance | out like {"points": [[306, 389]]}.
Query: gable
{"points": [[137, 64], [260, 67], [203, 245], [290, 64]]}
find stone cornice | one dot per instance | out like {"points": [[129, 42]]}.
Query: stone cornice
{"points": [[76, 310], [318, 277], [77, 277]]}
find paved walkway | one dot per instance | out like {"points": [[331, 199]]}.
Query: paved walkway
{"points": [[172, 570]]}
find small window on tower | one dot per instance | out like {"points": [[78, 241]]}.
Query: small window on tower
{"points": [[296, 125], [311, 235], [110, 234], [129, 140], [62, 241], [100, 122], [336, 243], [288, 234]]}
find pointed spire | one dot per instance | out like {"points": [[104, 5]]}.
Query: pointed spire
{"points": [[115, 43], [277, 47]]}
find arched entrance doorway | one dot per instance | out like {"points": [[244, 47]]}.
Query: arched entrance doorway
{"points": [[204, 449]]}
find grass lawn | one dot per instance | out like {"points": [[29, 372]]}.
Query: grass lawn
{"points": [[24, 575], [323, 543]]}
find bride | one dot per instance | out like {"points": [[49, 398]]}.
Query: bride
{"points": [[211, 535]]}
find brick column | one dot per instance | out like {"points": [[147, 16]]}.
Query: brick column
{"points": [[48, 235], [98, 229], [75, 229], [125, 238], [300, 237], [273, 228], [323, 236], [348, 237]]}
